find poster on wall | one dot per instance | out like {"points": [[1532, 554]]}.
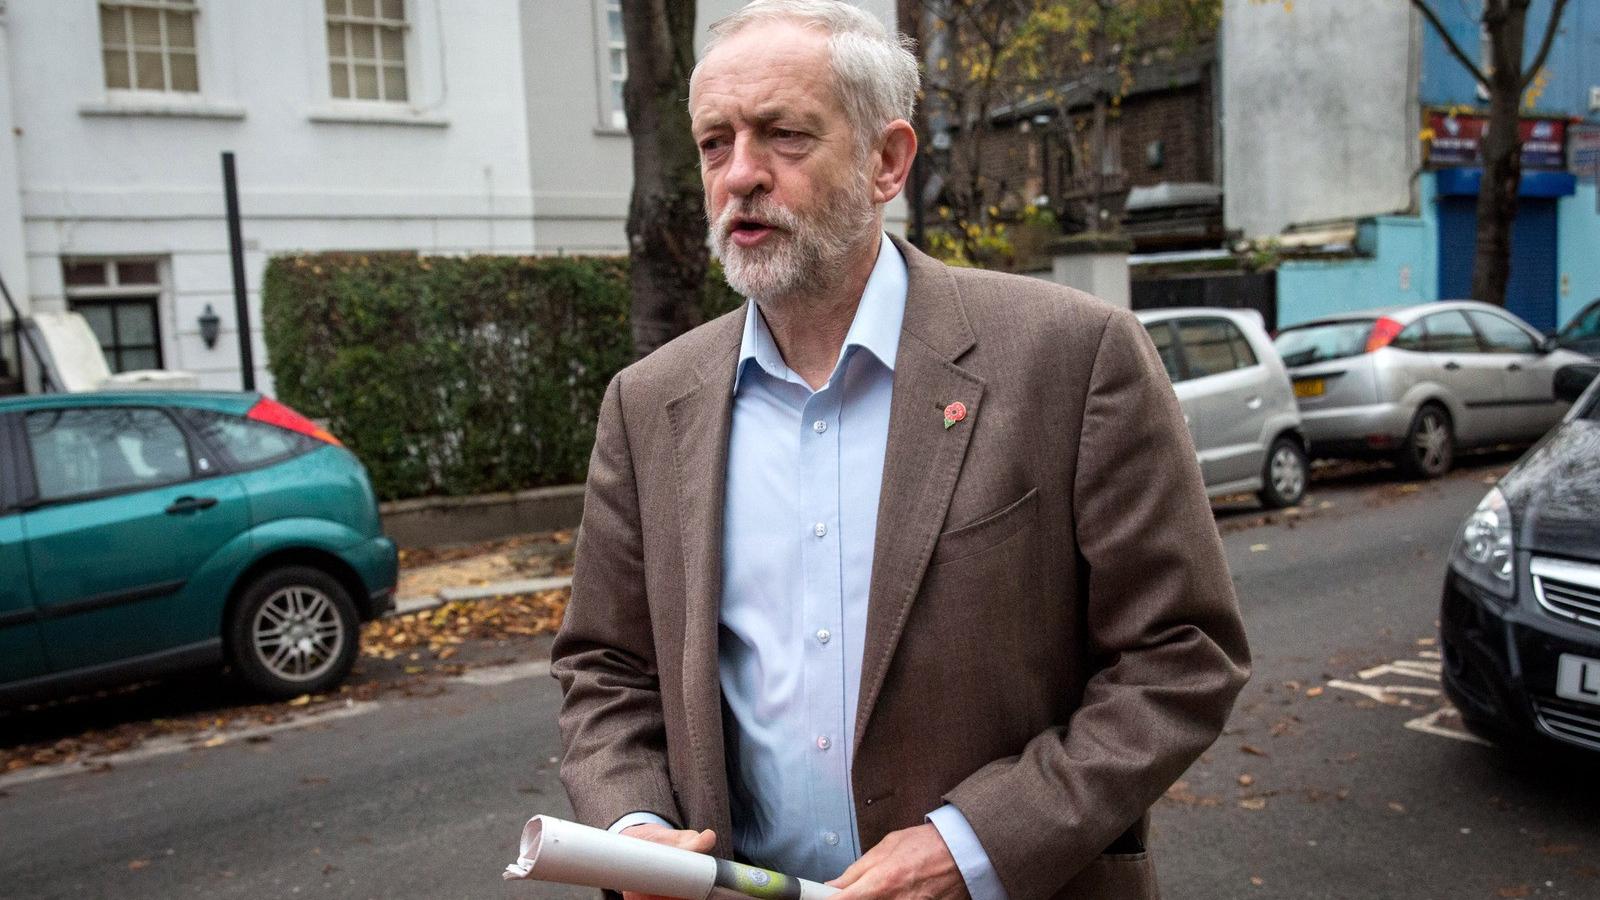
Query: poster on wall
{"points": [[1457, 140], [1583, 150]]}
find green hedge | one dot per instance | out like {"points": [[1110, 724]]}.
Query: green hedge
{"points": [[454, 375]]}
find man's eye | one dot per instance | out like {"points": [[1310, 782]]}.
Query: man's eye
{"points": [[710, 144], [784, 134]]}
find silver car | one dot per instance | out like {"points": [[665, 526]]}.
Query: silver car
{"points": [[1416, 383], [1236, 398]]}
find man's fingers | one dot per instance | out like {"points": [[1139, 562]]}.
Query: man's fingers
{"points": [[698, 841]]}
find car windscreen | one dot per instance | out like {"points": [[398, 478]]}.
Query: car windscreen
{"points": [[1323, 341]]}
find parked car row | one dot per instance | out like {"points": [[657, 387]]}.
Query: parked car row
{"points": [[146, 532], [1413, 384]]}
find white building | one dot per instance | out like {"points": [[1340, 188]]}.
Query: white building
{"points": [[435, 126]]}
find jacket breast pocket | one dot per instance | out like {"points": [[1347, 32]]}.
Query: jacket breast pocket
{"points": [[989, 531]]}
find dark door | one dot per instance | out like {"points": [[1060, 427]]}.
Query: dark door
{"points": [[21, 654], [1531, 293], [129, 512]]}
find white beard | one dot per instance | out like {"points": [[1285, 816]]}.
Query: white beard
{"points": [[801, 256]]}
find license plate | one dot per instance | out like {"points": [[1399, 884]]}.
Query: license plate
{"points": [[1578, 678], [1311, 387]]}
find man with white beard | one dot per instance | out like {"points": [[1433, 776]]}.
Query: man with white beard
{"points": [[901, 576]]}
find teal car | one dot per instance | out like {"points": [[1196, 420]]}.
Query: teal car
{"points": [[147, 532]]}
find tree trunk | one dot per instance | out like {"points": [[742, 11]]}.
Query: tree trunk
{"points": [[1502, 156], [666, 217]]}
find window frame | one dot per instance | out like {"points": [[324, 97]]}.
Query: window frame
{"points": [[126, 7], [378, 23], [611, 119], [32, 496], [112, 291], [1182, 362]]}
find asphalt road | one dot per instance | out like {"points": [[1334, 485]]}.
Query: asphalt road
{"points": [[424, 796]]}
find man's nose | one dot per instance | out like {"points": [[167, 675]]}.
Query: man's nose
{"points": [[748, 170]]}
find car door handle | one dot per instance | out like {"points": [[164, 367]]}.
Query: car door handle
{"points": [[1451, 366], [1253, 403], [1514, 367], [190, 504]]}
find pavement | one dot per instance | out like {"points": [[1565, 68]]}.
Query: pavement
{"points": [[525, 564]]}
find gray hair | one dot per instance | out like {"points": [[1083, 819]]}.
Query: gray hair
{"points": [[874, 69]]}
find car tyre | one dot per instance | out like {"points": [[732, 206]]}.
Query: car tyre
{"points": [[1284, 474], [293, 631], [1430, 443]]}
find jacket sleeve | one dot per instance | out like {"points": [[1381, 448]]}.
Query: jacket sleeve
{"points": [[1162, 627], [612, 727]]}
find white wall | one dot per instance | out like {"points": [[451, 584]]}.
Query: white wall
{"points": [[13, 258], [582, 170], [446, 172], [1319, 110]]}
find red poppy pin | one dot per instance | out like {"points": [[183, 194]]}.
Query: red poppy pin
{"points": [[954, 413]]}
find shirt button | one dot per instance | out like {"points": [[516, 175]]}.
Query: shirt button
{"points": [[823, 743], [819, 426], [830, 838], [820, 529], [824, 635]]}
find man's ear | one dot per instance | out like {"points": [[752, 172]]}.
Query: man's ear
{"points": [[896, 148]]}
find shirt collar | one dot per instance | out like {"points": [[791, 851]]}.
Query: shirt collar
{"points": [[875, 329]]}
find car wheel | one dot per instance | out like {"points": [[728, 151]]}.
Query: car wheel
{"points": [[294, 631], [1430, 444], [1283, 476]]}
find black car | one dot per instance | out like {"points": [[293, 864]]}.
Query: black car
{"points": [[1582, 334], [1520, 625]]}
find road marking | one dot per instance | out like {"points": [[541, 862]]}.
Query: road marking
{"points": [[504, 674], [1400, 667], [169, 744], [1429, 724], [1384, 693]]}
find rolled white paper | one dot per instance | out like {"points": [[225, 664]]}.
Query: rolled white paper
{"points": [[568, 853]]}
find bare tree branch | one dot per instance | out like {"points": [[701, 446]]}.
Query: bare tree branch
{"points": [[1450, 42], [1550, 29]]}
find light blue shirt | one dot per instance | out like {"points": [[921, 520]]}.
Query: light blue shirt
{"points": [[800, 523]]}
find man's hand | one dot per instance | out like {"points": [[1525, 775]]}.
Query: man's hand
{"points": [[698, 841], [912, 864]]}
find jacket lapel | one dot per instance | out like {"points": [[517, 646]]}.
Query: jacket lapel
{"points": [[922, 461], [700, 420]]}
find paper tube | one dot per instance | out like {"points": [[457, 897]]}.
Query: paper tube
{"points": [[568, 853]]}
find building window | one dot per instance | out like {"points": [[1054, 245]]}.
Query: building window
{"points": [[148, 45], [367, 50], [121, 299], [613, 65]]}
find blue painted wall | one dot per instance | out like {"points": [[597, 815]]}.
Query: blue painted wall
{"points": [[1579, 253], [1573, 64], [1311, 288]]}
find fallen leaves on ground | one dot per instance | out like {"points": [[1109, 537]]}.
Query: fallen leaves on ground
{"points": [[440, 630]]}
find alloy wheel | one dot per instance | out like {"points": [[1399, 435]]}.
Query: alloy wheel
{"points": [[1288, 472], [297, 633]]}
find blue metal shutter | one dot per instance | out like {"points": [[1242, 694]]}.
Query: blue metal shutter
{"points": [[1532, 291]]}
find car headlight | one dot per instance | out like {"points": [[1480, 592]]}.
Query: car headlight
{"points": [[1484, 552]]}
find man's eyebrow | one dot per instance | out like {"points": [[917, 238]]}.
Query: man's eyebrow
{"points": [[807, 120]]}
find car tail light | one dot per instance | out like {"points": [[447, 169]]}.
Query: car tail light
{"points": [[1383, 334], [274, 413]]}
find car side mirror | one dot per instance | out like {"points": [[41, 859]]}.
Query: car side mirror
{"points": [[1549, 344], [1571, 381]]}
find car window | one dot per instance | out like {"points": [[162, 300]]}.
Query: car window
{"points": [[1585, 324], [1244, 355], [1161, 336], [1450, 332], [1208, 347], [98, 450], [1308, 344], [245, 442], [1412, 337], [1500, 335]]}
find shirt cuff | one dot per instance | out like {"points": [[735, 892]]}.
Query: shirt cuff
{"points": [[646, 818], [970, 857]]}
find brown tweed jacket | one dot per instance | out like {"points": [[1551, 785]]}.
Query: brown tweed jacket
{"points": [[1052, 635]]}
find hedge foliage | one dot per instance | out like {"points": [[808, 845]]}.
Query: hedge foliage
{"points": [[454, 375]]}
